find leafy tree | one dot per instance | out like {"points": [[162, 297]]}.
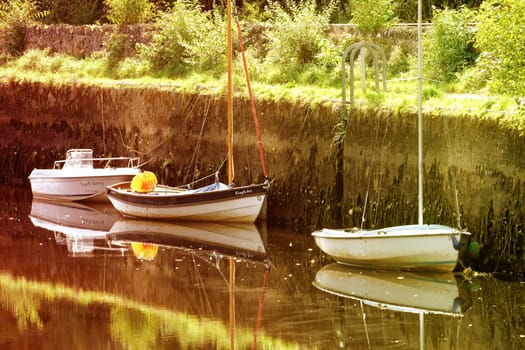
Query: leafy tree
{"points": [[501, 37], [76, 12], [15, 15]]}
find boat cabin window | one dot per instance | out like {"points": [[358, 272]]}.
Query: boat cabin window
{"points": [[79, 158]]}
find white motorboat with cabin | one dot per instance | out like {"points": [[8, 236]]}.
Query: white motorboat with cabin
{"points": [[81, 176]]}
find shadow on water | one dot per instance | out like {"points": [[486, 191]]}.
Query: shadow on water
{"points": [[78, 276]]}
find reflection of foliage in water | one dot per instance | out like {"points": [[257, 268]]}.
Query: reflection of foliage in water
{"points": [[15, 298], [134, 330], [133, 325], [139, 329]]}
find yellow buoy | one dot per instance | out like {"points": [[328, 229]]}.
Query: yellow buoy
{"points": [[144, 182]]}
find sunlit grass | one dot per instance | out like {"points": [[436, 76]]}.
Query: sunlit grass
{"points": [[400, 96]]}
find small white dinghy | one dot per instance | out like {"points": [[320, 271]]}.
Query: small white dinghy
{"points": [[76, 178], [410, 247]]}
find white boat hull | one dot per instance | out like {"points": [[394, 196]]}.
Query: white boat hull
{"points": [[234, 204], [77, 184], [417, 247]]}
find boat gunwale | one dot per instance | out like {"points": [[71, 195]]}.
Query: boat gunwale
{"points": [[177, 198], [393, 232]]}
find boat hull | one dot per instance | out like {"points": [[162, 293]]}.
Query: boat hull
{"points": [[412, 247], [233, 204], [77, 184]]}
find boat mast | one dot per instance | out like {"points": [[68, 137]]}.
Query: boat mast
{"points": [[419, 115], [230, 92]]}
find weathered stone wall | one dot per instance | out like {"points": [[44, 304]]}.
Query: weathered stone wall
{"points": [[83, 41], [79, 41], [473, 159]]}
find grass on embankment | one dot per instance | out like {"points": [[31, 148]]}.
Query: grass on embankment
{"points": [[401, 94]]}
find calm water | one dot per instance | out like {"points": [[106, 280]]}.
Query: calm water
{"points": [[82, 277]]}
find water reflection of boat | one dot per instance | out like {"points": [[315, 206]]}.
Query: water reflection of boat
{"points": [[397, 291], [216, 242], [210, 256], [233, 239], [394, 290], [79, 226]]}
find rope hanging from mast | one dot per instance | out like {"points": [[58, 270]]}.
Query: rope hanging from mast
{"points": [[252, 99]]}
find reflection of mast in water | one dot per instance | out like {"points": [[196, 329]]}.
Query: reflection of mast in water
{"points": [[399, 291]]}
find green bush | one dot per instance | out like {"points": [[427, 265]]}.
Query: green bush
{"points": [[131, 67], [373, 15], [501, 37], [117, 48], [15, 15], [296, 38], [124, 12], [398, 61], [188, 38], [448, 46], [475, 78]]}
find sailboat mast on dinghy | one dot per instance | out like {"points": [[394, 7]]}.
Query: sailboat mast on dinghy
{"points": [[417, 247], [216, 202]]}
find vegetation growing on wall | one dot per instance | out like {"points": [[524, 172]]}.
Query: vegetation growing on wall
{"points": [[297, 50], [188, 38]]}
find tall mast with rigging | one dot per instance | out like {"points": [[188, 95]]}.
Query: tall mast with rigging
{"points": [[229, 52], [419, 114]]}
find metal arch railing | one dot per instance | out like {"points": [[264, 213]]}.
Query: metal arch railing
{"points": [[355, 48]]}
